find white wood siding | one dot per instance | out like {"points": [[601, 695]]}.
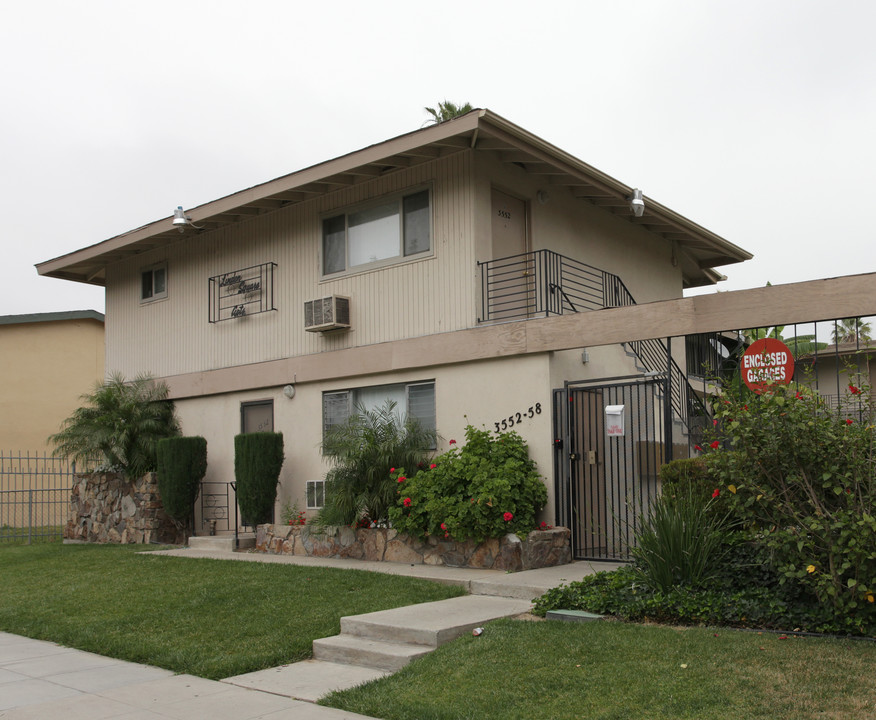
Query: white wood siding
{"points": [[413, 298]]}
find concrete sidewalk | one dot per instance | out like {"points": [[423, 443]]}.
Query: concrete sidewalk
{"points": [[43, 680], [524, 585]]}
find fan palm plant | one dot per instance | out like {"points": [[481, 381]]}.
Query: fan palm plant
{"points": [[119, 425], [447, 111]]}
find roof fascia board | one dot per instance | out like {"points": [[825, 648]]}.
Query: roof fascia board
{"points": [[286, 183], [516, 135]]}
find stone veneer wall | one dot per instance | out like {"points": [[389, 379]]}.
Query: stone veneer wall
{"points": [[105, 507], [542, 548]]}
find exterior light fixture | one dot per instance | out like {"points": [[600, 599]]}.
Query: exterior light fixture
{"points": [[637, 203], [180, 220], [289, 391]]}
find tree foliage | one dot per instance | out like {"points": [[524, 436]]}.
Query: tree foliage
{"points": [[258, 459], [182, 464], [119, 425], [447, 111], [802, 480], [850, 330], [363, 450]]}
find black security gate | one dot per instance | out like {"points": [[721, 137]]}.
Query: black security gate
{"points": [[612, 440]]}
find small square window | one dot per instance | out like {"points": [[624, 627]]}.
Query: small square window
{"points": [[315, 494], [153, 283]]}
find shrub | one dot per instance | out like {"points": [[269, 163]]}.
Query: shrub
{"points": [[363, 450], [182, 463], [687, 474], [486, 489], [258, 459], [119, 426], [802, 479], [679, 542]]}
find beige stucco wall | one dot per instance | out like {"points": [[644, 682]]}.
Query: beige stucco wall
{"points": [[481, 394], [47, 367]]}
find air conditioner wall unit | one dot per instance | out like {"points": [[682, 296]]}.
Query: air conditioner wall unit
{"points": [[328, 313]]}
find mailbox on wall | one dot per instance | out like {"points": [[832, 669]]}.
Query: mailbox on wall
{"points": [[614, 420]]}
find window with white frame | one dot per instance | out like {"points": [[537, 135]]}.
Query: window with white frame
{"points": [[315, 494], [153, 283], [416, 400], [389, 230]]}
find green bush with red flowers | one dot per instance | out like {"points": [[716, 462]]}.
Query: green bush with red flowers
{"points": [[487, 488], [801, 482]]}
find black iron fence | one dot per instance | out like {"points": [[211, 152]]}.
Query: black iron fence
{"points": [[34, 496], [542, 283]]}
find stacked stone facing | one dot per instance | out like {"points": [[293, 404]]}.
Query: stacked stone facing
{"points": [[541, 548], [106, 507]]}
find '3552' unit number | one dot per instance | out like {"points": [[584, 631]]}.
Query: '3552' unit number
{"points": [[517, 418]]}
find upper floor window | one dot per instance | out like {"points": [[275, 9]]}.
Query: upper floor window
{"points": [[153, 283], [392, 229]]}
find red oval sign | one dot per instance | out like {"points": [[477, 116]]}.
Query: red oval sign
{"points": [[766, 362]]}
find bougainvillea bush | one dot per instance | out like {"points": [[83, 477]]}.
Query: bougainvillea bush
{"points": [[801, 480], [485, 489]]}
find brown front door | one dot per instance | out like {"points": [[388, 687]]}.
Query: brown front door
{"points": [[512, 277]]}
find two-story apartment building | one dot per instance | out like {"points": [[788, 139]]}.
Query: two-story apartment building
{"points": [[403, 270]]}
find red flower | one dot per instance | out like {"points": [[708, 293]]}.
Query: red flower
{"points": [[452, 442], [715, 423], [849, 421], [714, 444], [697, 447], [507, 517], [853, 390], [401, 478], [716, 493], [391, 471], [443, 526], [407, 502], [798, 396], [447, 535], [432, 466]]}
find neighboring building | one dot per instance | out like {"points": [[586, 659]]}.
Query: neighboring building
{"points": [[834, 368], [378, 275], [49, 360]]}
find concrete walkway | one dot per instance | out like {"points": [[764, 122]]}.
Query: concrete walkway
{"points": [[43, 680]]}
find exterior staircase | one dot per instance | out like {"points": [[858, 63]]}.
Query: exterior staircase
{"points": [[389, 639]]}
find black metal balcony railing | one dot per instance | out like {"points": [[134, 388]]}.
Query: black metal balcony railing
{"points": [[544, 283]]}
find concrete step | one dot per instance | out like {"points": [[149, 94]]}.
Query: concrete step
{"points": [[223, 542], [433, 623], [354, 650]]}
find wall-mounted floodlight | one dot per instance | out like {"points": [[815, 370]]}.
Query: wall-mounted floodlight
{"points": [[180, 220], [637, 203]]}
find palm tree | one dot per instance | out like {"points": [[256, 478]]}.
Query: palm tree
{"points": [[447, 111], [850, 330], [119, 425], [363, 451]]}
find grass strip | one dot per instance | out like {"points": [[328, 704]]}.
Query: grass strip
{"points": [[211, 618], [611, 670]]}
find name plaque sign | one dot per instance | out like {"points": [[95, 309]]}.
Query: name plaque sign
{"points": [[239, 293]]}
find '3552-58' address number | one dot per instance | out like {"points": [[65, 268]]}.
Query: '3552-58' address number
{"points": [[517, 418]]}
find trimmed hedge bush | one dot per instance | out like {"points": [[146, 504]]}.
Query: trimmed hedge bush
{"points": [[182, 463], [258, 459]]}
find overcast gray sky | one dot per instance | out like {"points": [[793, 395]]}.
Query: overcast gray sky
{"points": [[754, 119]]}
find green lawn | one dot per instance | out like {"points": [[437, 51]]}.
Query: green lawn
{"points": [[212, 618], [218, 618], [621, 671]]}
